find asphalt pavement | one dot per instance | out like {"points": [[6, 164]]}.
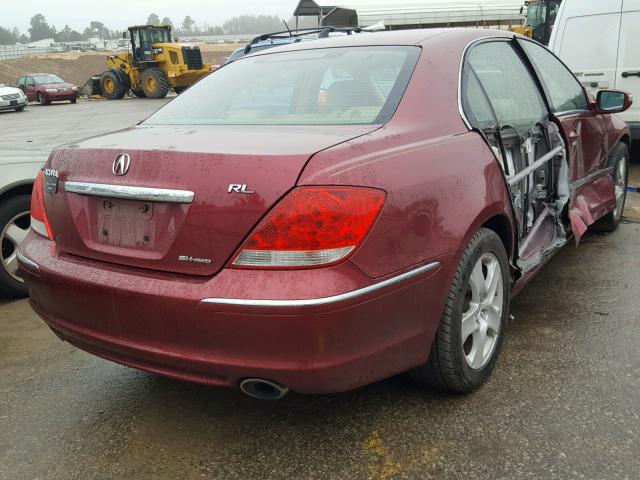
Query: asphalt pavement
{"points": [[563, 403], [30, 135]]}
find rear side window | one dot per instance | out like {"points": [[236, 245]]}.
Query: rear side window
{"points": [[333, 86], [508, 84], [476, 103], [564, 91]]}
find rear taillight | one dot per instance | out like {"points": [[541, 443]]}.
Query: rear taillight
{"points": [[39, 221], [312, 226]]}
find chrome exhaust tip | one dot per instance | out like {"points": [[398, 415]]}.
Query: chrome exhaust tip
{"points": [[263, 389]]}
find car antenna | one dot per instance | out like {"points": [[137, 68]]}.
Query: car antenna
{"points": [[288, 29]]}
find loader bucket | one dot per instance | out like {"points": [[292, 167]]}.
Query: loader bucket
{"points": [[91, 86]]}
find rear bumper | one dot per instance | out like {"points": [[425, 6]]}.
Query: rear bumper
{"points": [[160, 323], [186, 78]]}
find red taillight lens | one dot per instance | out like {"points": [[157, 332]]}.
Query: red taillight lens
{"points": [[39, 221], [312, 226]]}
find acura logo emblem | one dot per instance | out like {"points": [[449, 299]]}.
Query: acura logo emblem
{"points": [[121, 164]]}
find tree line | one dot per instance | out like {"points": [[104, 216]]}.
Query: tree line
{"points": [[40, 29]]}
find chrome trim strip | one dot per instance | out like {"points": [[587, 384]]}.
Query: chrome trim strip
{"points": [[27, 261], [535, 165], [130, 193], [325, 300], [584, 180]]}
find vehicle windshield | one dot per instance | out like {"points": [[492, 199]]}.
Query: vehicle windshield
{"points": [[47, 78], [330, 86], [149, 36], [536, 13]]}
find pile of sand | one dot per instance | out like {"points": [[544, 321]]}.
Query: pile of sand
{"points": [[76, 67]]}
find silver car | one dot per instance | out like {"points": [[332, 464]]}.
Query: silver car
{"points": [[12, 98]]}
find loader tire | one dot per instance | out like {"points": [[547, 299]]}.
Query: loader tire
{"points": [[154, 83], [112, 86]]}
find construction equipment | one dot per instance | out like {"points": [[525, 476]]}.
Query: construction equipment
{"points": [[541, 15], [152, 66]]}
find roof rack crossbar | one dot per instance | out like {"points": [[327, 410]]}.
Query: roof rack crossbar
{"points": [[323, 32]]}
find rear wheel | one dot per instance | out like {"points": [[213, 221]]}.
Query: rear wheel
{"points": [[154, 83], [15, 221], [111, 86], [469, 338], [620, 163]]}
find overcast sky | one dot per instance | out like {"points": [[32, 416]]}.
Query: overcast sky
{"points": [[119, 14]]}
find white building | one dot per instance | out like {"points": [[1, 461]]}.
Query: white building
{"points": [[413, 14]]}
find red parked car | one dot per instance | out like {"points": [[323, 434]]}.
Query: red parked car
{"points": [[46, 88], [255, 233]]}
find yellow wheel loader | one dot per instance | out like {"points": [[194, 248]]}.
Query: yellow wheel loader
{"points": [[152, 66], [541, 15]]}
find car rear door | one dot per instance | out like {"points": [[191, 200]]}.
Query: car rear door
{"points": [[592, 193], [628, 68]]}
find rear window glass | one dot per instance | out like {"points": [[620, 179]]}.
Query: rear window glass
{"points": [[333, 86]]}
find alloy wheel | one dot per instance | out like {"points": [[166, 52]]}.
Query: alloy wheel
{"points": [[482, 311], [620, 180], [12, 234]]}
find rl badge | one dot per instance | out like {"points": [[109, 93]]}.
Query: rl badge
{"points": [[50, 180]]}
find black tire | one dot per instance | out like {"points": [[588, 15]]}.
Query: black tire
{"points": [[138, 93], [20, 109], [619, 159], [42, 100], [112, 86], [74, 100], [179, 90], [447, 367], [9, 209], [154, 83]]}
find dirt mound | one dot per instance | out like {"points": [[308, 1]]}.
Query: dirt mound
{"points": [[76, 70], [78, 67]]}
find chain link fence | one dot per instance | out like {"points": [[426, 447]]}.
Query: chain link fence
{"points": [[13, 53]]}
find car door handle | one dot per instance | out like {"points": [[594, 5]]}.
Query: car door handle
{"points": [[633, 73]]}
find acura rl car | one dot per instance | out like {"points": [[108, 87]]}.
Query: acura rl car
{"points": [[322, 215]]}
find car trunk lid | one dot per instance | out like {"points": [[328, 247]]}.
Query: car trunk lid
{"points": [[217, 182]]}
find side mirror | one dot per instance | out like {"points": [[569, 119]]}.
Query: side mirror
{"points": [[613, 101]]}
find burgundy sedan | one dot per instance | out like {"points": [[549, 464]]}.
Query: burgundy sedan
{"points": [[326, 214], [46, 88]]}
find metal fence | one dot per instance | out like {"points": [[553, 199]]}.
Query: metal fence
{"points": [[13, 53]]}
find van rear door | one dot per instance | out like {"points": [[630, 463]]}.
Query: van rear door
{"points": [[628, 71], [586, 39]]}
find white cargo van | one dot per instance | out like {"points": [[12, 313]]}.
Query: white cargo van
{"points": [[600, 41]]}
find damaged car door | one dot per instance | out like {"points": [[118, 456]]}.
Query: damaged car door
{"points": [[502, 100], [592, 188]]}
